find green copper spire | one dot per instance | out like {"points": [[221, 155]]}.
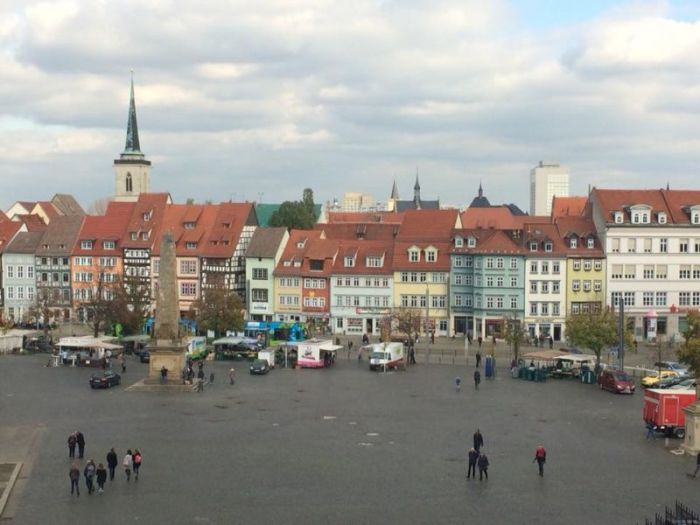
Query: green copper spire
{"points": [[132, 145]]}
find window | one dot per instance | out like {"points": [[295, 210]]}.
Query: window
{"points": [[683, 245], [188, 267], [548, 246], [555, 268], [349, 261], [533, 308], [413, 255], [573, 242], [576, 285], [260, 274], [513, 282], [513, 263], [663, 245], [188, 289], [577, 264], [259, 295], [533, 267], [431, 256], [661, 298]]}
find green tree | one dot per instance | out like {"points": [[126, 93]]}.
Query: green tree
{"points": [[219, 310], [596, 331], [514, 334], [689, 352], [297, 215]]}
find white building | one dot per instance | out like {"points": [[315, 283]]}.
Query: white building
{"points": [[547, 179], [652, 243]]}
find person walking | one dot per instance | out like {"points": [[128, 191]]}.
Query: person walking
{"points": [[541, 458], [72, 441], [483, 464], [231, 375], [472, 457], [128, 463], [477, 379], [111, 462], [74, 475], [101, 476], [80, 438], [478, 359], [137, 463], [478, 440], [89, 473]]}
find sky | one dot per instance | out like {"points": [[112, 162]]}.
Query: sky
{"points": [[258, 100]]}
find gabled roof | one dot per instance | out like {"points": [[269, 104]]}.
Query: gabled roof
{"points": [[568, 206], [108, 227], [60, 235], [265, 242], [436, 225], [8, 229], [25, 242]]}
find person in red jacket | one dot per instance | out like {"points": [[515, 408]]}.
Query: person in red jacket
{"points": [[540, 457]]}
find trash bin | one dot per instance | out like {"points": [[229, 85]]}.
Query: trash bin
{"points": [[587, 377]]}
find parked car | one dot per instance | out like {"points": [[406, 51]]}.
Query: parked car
{"points": [[145, 356], [616, 381], [259, 367], [672, 365], [105, 380], [653, 379]]}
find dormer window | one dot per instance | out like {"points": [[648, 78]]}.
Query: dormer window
{"points": [[349, 261], [191, 245], [189, 225], [414, 255], [618, 217], [86, 245], [548, 246], [108, 245], [459, 242], [573, 242], [662, 217], [533, 246], [590, 243], [471, 242]]}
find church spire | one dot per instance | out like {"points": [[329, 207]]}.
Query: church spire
{"points": [[132, 145]]}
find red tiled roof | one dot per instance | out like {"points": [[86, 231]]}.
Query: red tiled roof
{"points": [[386, 217], [568, 206], [108, 227], [433, 225], [361, 250]]}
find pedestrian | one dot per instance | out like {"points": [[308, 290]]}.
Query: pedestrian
{"points": [[541, 458], [72, 441], [80, 438], [128, 464], [480, 340], [231, 375], [697, 466], [74, 475], [111, 462], [137, 463], [483, 464], [458, 383], [472, 458], [478, 358], [89, 473], [650, 431], [478, 440], [101, 475], [477, 379]]}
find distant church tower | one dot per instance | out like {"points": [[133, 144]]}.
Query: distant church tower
{"points": [[132, 171]]}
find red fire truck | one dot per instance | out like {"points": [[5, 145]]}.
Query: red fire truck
{"points": [[663, 408]]}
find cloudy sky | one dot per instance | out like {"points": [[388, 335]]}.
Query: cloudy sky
{"points": [[256, 100]]}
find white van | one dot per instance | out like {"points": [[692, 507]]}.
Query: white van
{"points": [[386, 356]]}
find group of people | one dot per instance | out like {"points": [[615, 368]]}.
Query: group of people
{"points": [[96, 474], [476, 458]]}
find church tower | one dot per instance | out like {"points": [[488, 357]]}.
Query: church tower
{"points": [[132, 171]]}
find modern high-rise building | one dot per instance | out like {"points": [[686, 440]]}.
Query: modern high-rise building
{"points": [[547, 179]]}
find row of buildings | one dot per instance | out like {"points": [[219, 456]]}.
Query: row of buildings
{"points": [[464, 272]]}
